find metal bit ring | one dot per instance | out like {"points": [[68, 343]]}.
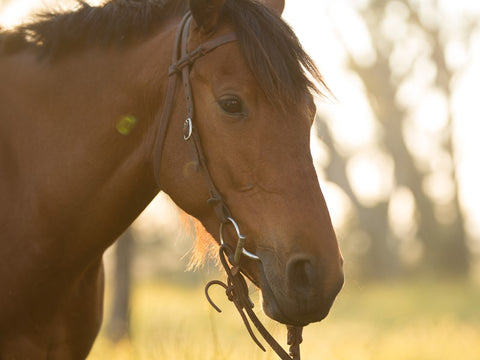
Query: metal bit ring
{"points": [[240, 248]]}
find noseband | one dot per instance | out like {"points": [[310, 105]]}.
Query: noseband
{"points": [[236, 287]]}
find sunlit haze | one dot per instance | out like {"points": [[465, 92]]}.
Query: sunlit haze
{"points": [[328, 28]]}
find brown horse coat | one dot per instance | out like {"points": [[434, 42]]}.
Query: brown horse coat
{"points": [[72, 178]]}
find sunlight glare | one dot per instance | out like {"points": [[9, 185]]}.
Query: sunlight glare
{"points": [[162, 214], [126, 124], [401, 212], [456, 55], [338, 204], [16, 11], [431, 114], [371, 176], [20, 11], [394, 24], [353, 33], [353, 129]]}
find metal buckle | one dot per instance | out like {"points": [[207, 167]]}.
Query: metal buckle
{"points": [[187, 129], [240, 249]]}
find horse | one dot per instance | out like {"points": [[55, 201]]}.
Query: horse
{"points": [[91, 129]]}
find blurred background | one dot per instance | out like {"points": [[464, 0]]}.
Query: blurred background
{"points": [[396, 149]]}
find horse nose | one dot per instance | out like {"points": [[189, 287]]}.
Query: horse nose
{"points": [[308, 279], [302, 275]]}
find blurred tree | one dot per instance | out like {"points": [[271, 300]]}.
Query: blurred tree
{"points": [[118, 326], [380, 258], [408, 39]]}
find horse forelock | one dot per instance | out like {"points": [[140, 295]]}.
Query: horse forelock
{"points": [[284, 71]]}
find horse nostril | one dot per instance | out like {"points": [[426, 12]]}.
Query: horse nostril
{"points": [[300, 274]]}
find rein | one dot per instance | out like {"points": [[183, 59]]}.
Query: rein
{"points": [[235, 287], [236, 290]]}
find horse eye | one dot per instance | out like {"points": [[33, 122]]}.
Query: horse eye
{"points": [[232, 105]]}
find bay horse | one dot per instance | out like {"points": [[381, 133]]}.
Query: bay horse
{"points": [[91, 129]]}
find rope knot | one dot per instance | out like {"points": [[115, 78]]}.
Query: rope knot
{"points": [[230, 292]]}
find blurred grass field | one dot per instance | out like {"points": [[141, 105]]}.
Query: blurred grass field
{"points": [[420, 320]]}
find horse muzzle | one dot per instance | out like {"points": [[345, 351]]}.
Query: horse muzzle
{"points": [[300, 291]]}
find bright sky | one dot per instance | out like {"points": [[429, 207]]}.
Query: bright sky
{"points": [[319, 24]]}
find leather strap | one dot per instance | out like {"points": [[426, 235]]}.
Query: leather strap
{"points": [[237, 292], [182, 60], [167, 106]]}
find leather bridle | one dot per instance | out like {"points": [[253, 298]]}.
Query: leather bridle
{"points": [[182, 61], [236, 287]]}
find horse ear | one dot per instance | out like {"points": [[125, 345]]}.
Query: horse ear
{"points": [[276, 5], [206, 13]]}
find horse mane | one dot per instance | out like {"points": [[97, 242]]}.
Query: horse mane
{"points": [[270, 46], [54, 34], [283, 70]]}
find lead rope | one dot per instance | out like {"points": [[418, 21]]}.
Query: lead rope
{"points": [[236, 290]]}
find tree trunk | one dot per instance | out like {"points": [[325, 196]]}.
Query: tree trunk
{"points": [[119, 323]]}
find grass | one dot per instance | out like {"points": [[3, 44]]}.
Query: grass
{"points": [[422, 320]]}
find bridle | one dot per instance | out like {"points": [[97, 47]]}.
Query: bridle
{"points": [[236, 287]]}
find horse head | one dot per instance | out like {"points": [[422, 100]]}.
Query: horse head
{"points": [[253, 115]]}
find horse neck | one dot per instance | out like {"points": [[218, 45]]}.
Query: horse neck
{"points": [[69, 162]]}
